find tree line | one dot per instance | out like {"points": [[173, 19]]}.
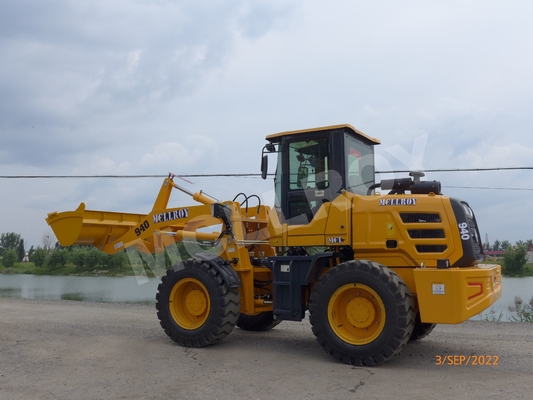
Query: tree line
{"points": [[505, 244], [514, 259], [88, 258], [57, 259]]}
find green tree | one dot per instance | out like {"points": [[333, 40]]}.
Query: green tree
{"points": [[58, 258], [117, 260], [8, 241], [514, 260], [496, 245], [9, 258], [21, 252], [79, 257], [38, 257], [505, 244], [94, 257]]}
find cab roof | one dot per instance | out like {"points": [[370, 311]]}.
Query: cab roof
{"points": [[275, 137]]}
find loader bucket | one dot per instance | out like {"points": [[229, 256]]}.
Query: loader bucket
{"points": [[91, 227]]}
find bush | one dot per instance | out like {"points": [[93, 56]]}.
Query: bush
{"points": [[93, 258], [9, 258], [528, 270], [514, 260], [522, 312], [38, 257], [79, 257], [58, 258]]}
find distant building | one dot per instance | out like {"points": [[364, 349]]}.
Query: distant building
{"points": [[499, 254], [529, 255], [494, 254]]}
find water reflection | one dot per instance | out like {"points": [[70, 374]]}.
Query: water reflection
{"points": [[81, 288]]}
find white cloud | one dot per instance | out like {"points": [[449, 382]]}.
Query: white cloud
{"points": [[103, 165], [370, 111], [195, 150], [501, 155], [168, 153]]}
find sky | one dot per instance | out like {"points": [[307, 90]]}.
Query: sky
{"points": [[130, 87]]}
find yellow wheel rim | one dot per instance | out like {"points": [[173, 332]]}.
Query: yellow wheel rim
{"points": [[356, 314], [189, 303]]}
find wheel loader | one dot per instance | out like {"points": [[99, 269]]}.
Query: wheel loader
{"points": [[373, 264]]}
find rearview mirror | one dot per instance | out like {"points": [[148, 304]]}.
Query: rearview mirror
{"points": [[264, 166]]}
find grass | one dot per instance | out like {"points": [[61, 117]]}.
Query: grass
{"points": [[68, 269], [491, 316], [72, 296], [522, 312]]}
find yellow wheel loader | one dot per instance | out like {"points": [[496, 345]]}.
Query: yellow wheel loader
{"points": [[373, 269]]}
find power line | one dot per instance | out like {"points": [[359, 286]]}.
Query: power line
{"points": [[125, 176], [485, 188], [258, 175], [241, 175], [459, 170]]}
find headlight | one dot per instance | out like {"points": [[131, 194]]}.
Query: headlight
{"points": [[468, 211]]}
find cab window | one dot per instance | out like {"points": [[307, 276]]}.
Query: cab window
{"points": [[308, 164], [359, 165]]}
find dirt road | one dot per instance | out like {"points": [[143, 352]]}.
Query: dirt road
{"points": [[77, 350]]}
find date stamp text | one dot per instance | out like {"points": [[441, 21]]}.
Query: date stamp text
{"points": [[467, 360]]}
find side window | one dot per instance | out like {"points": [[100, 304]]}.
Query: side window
{"points": [[308, 164], [359, 165]]}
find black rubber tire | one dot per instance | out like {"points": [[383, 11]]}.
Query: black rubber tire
{"points": [[222, 314], [397, 301], [261, 322], [421, 329]]}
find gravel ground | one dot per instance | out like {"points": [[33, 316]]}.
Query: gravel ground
{"points": [[78, 350]]}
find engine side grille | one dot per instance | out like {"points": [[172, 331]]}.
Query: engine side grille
{"points": [[410, 218], [426, 233], [431, 248]]}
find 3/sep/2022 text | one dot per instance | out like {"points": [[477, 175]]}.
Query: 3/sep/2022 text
{"points": [[467, 360]]}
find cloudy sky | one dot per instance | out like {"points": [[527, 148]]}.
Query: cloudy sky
{"points": [[150, 87]]}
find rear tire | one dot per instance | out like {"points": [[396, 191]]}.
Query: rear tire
{"points": [[259, 322], [421, 329], [195, 306], [362, 313]]}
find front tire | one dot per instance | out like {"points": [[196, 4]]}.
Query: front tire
{"points": [[195, 306], [362, 313]]}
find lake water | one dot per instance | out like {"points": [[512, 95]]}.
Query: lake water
{"points": [[511, 287], [127, 290], [84, 288]]}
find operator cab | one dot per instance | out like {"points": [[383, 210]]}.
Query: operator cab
{"points": [[315, 165]]}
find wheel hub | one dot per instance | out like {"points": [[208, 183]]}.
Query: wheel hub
{"points": [[360, 312], [195, 302]]}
